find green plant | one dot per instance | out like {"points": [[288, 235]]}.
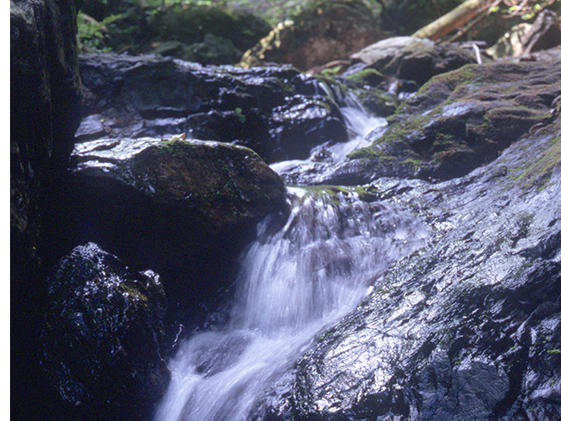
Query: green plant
{"points": [[527, 9], [240, 115], [93, 35]]}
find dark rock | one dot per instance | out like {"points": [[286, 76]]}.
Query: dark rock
{"points": [[184, 208], [104, 327], [192, 23], [406, 16], [326, 30], [44, 104], [467, 327], [264, 108], [459, 121]]}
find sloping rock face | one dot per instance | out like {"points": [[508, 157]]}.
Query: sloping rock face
{"points": [[327, 30], [184, 208], [467, 327], [457, 122], [276, 111], [104, 328]]}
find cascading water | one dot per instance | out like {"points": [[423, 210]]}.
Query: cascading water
{"points": [[292, 285], [359, 123]]}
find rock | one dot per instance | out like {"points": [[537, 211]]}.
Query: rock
{"points": [[44, 104], [457, 122], [325, 31], [410, 58], [277, 111], [510, 44], [104, 327], [184, 208], [465, 328]]}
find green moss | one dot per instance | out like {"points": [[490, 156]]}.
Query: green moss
{"points": [[134, 293], [365, 153], [539, 172], [453, 79], [415, 163], [178, 147], [366, 76], [335, 193]]}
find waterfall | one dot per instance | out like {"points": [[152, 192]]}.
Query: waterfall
{"points": [[359, 123], [293, 283]]}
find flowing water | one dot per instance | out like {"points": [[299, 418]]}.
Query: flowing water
{"points": [[292, 285]]}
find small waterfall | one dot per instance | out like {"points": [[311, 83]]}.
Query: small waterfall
{"points": [[359, 123], [292, 285]]}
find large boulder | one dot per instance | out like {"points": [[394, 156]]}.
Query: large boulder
{"points": [[44, 113], [103, 336], [184, 208], [467, 327], [208, 34], [457, 122], [277, 111], [409, 58], [324, 31]]}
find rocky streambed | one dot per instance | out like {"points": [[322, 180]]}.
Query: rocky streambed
{"points": [[169, 183]]}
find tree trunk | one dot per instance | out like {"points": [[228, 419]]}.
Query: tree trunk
{"points": [[453, 19]]}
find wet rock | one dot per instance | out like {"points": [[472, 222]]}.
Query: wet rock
{"points": [[465, 328], [277, 111], [409, 58], [104, 327], [327, 30], [184, 208], [459, 121]]}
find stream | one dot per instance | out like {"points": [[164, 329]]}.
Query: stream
{"points": [[293, 284]]}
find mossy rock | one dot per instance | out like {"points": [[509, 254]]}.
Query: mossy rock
{"points": [[463, 119], [325, 30], [182, 207], [190, 24]]}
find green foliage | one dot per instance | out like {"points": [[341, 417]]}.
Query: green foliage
{"points": [[240, 115], [527, 10], [93, 35]]}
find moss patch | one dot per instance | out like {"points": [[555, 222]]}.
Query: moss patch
{"points": [[539, 172]]}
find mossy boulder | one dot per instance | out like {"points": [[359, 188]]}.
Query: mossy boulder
{"points": [[184, 208], [461, 120], [324, 31], [410, 59], [190, 23], [209, 34], [103, 337]]}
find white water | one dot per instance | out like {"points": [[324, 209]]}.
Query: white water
{"points": [[359, 123], [292, 285]]}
